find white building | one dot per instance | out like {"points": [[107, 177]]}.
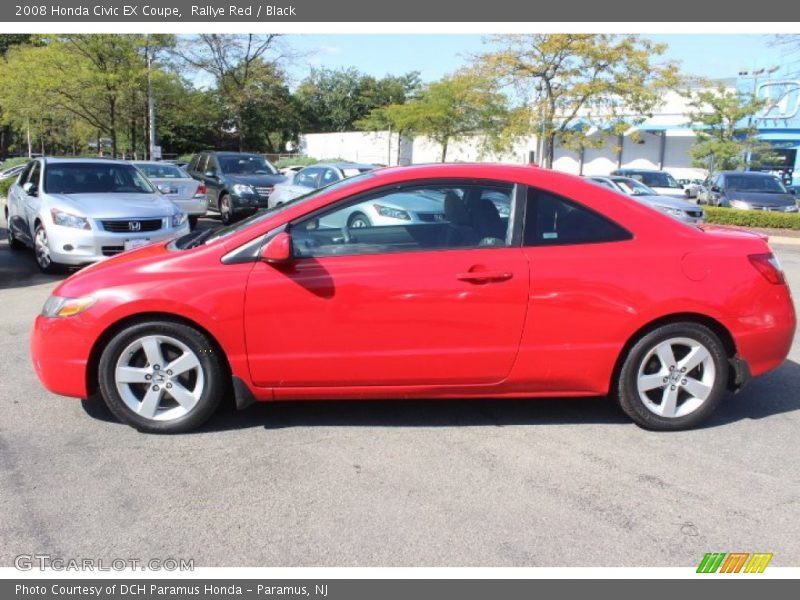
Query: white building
{"points": [[661, 141]]}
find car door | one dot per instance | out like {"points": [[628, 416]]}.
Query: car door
{"points": [[422, 303], [32, 202], [17, 215]]}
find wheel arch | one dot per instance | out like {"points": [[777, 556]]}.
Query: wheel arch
{"points": [[92, 383], [714, 325]]}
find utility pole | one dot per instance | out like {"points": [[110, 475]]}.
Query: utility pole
{"points": [[151, 107]]}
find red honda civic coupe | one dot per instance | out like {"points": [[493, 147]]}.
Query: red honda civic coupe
{"points": [[435, 281]]}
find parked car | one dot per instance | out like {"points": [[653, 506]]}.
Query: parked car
{"points": [[674, 207], [557, 300], [314, 177], [237, 183], [11, 172], [80, 211], [177, 185], [748, 190], [691, 186], [662, 182], [291, 171]]}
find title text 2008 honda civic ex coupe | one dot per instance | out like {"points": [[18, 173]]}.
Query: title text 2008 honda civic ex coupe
{"points": [[522, 282]]}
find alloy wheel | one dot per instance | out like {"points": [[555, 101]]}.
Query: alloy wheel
{"points": [[42, 249], [676, 377], [159, 378]]}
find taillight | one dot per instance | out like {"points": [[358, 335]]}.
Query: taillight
{"points": [[768, 265], [201, 190]]}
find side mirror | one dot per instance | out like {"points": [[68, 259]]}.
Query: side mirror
{"points": [[30, 189], [716, 189], [211, 174], [278, 249]]}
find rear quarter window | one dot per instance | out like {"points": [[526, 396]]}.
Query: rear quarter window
{"points": [[552, 220]]}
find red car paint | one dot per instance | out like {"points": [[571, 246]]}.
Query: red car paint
{"points": [[413, 325]]}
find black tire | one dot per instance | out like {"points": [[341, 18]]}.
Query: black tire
{"points": [[358, 221], [627, 391], [225, 209], [41, 252], [215, 377], [13, 242], [193, 222]]}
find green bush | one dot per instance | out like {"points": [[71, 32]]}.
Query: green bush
{"points": [[752, 218], [304, 161]]}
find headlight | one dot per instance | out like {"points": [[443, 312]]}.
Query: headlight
{"points": [[56, 306], [392, 213], [791, 208], [178, 219], [675, 212], [241, 188], [67, 220], [740, 204]]}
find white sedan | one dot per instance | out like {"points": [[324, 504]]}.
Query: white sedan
{"points": [[314, 177]]}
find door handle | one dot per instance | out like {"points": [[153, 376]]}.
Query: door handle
{"points": [[485, 276]]}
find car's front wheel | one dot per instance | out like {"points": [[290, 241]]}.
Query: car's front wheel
{"points": [[674, 377], [358, 221], [41, 248], [161, 377], [225, 209]]}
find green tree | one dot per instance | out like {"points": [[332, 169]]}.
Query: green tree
{"points": [[456, 107], [563, 81], [726, 136], [335, 99], [248, 75]]}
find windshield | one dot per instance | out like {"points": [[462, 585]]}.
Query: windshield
{"points": [[245, 164], [162, 171], [263, 214], [755, 183], [657, 179], [95, 178], [634, 188]]}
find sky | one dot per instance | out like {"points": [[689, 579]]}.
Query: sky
{"points": [[434, 55]]}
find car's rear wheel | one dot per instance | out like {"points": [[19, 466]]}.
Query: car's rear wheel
{"points": [[41, 248], [225, 210], [13, 242], [674, 377], [161, 377]]}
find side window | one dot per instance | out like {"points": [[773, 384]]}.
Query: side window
{"points": [[329, 176], [423, 217], [201, 163], [307, 178], [551, 221], [192, 166], [212, 164]]}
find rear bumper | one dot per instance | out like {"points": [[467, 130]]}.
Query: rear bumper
{"points": [[192, 206]]}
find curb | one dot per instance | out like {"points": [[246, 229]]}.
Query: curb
{"points": [[784, 241]]}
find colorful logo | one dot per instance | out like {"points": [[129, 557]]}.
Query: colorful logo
{"points": [[734, 562]]}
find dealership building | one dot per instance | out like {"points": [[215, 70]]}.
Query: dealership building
{"points": [[660, 141]]}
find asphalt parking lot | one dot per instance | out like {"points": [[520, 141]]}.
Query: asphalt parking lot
{"points": [[458, 483]]}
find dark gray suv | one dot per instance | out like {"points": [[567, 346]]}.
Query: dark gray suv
{"points": [[237, 183]]}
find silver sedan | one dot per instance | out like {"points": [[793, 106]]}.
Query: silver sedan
{"points": [[177, 185], [80, 211], [675, 207]]}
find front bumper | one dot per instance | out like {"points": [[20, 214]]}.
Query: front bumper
{"points": [[60, 351], [71, 246], [249, 203]]}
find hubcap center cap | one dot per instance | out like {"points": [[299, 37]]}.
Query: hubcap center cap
{"points": [[159, 377]]}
